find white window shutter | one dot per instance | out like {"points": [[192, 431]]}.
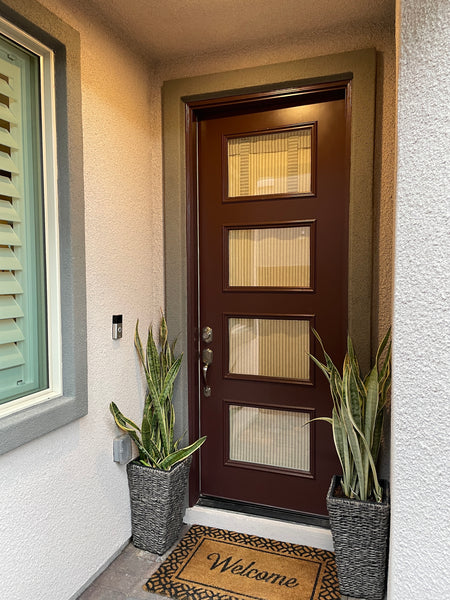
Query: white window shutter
{"points": [[11, 166]]}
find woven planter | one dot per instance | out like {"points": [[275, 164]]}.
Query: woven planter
{"points": [[360, 532], [157, 502]]}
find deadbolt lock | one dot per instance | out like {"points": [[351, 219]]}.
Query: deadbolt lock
{"points": [[207, 335]]}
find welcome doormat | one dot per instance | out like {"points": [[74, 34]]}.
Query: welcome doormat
{"points": [[215, 564]]}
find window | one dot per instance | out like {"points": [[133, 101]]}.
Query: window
{"points": [[43, 374], [28, 238]]}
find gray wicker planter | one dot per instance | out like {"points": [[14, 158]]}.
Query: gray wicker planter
{"points": [[360, 534], [157, 501]]}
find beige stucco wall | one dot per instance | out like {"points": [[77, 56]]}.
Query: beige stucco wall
{"points": [[62, 492], [420, 470], [65, 505]]}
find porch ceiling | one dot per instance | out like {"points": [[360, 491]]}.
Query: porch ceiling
{"points": [[168, 29]]}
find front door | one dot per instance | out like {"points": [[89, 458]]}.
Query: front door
{"points": [[272, 265]]}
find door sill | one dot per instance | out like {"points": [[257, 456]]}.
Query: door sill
{"points": [[237, 517], [270, 512]]}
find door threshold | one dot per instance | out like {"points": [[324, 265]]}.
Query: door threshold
{"points": [[259, 510], [260, 525]]}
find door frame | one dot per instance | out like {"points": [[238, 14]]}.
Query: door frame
{"points": [[183, 102]]}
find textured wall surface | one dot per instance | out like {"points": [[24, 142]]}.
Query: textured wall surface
{"points": [[65, 507], [421, 395]]}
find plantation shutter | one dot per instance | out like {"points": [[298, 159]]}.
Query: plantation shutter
{"points": [[23, 340], [11, 159]]}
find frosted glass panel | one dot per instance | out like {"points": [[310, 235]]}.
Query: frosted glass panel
{"points": [[275, 438], [269, 347], [271, 163], [270, 257]]}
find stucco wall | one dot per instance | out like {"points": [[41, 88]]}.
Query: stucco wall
{"points": [[65, 507], [420, 532]]}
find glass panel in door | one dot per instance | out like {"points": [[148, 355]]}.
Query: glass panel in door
{"points": [[273, 438], [270, 257], [275, 348], [270, 163]]}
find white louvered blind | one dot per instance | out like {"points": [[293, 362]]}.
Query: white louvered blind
{"points": [[11, 165], [277, 438], [23, 352], [271, 163], [269, 347], [270, 257]]}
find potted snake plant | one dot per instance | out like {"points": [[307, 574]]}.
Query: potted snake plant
{"points": [[157, 479], [358, 501]]}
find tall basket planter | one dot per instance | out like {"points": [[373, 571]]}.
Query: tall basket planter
{"points": [[360, 532], [157, 501]]}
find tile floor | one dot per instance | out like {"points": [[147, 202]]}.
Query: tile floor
{"points": [[124, 578]]}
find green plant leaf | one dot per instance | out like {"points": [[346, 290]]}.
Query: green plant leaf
{"points": [[171, 421], [146, 432], [377, 433], [170, 378], [372, 400], [353, 439], [384, 388], [370, 416], [155, 443], [326, 419], [354, 396], [144, 455], [180, 455], [152, 362], [344, 453], [158, 404], [121, 421], [138, 345], [149, 375], [325, 370], [329, 363], [357, 416], [163, 331], [124, 424], [382, 346], [363, 480]]}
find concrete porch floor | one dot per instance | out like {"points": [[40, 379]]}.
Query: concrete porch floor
{"points": [[125, 576]]}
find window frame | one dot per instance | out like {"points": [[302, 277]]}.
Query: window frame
{"points": [[50, 219], [26, 419]]}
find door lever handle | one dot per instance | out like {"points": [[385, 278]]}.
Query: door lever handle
{"points": [[205, 373], [207, 358]]}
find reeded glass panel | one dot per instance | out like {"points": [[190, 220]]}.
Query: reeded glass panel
{"points": [[269, 347], [271, 163], [269, 257], [276, 438]]}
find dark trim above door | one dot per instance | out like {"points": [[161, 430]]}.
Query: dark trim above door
{"points": [[181, 98]]}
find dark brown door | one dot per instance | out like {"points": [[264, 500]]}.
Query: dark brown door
{"points": [[273, 229]]}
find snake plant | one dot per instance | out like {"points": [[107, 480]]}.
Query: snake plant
{"points": [[155, 438], [357, 417]]}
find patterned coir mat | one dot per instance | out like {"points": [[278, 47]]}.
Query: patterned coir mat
{"points": [[223, 565]]}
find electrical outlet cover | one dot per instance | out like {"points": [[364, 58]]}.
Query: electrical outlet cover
{"points": [[122, 449]]}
